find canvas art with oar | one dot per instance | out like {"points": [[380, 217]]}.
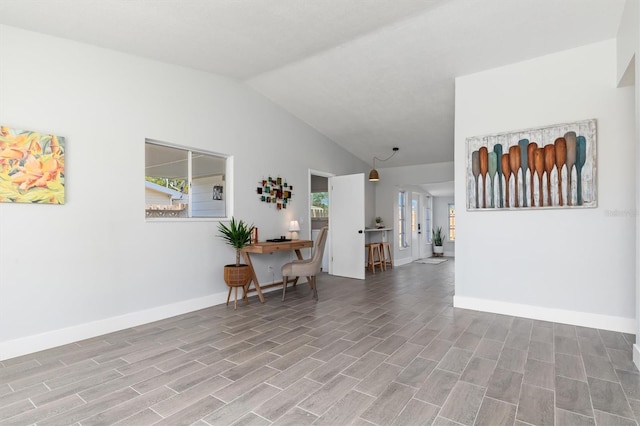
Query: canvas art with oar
{"points": [[547, 167]]}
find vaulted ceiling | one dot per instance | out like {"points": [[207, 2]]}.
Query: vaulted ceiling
{"points": [[368, 74]]}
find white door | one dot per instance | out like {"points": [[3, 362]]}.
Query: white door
{"points": [[416, 227], [346, 225]]}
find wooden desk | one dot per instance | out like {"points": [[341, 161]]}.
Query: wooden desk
{"points": [[382, 231], [267, 248]]}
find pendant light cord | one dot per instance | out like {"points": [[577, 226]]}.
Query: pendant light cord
{"points": [[395, 149]]}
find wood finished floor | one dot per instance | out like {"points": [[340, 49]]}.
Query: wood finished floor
{"points": [[389, 350]]}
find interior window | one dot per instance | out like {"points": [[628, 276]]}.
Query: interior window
{"points": [[427, 217], [452, 222], [184, 183], [402, 219], [319, 205]]}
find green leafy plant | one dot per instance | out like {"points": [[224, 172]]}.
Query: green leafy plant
{"points": [[237, 235], [438, 236]]}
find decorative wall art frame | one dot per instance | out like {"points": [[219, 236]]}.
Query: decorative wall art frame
{"points": [[217, 192], [542, 168], [275, 191], [31, 167]]}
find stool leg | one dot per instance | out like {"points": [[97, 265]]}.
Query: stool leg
{"points": [[372, 259], [387, 255]]}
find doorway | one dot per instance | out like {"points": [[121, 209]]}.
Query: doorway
{"points": [[345, 242], [319, 209]]}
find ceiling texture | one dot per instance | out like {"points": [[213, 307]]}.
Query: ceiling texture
{"points": [[368, 74]]}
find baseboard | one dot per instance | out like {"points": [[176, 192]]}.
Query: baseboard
{"points": [[64, 336], [51, 339], [636, 356], [584, 319], [403, 261]]}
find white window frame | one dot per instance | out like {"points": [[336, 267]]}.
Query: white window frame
{"points": [[228, 185], [428, 217], [452, 221], [402, 219]]}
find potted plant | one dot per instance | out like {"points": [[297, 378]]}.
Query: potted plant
{"points": [[379, 222], [438, 238], [237, 235]]}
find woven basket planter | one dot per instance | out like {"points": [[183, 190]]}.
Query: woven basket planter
{"points": [[237, 276]]}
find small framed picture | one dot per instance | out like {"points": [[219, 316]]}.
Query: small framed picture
{"points": [[217, 192]]}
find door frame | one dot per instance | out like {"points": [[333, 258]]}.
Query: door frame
{"points": [[327, 175], [416, 252]]}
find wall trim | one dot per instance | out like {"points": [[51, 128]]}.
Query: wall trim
{"points": [[636, 356], [402, 261], [584, 319], [64, 336]]}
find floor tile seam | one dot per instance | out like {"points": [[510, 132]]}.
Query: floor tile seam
{"points": [[20, 401], [353, 389], [226, 403], [515, 417], [614, 415], [244, 375], [262, 417], [129, 401], [301, 409], [624, 391], [484, 395], [444, 403], [18, 374]]}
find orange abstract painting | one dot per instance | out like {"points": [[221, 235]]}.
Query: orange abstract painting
{"points": [[31, 167]]}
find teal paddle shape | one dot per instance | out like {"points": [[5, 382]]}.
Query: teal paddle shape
{"points": [[523, 166], [497, 148], [493, 168], [581, 159]]}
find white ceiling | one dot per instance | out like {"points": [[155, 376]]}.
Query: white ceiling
{"points": [[368, 74]]}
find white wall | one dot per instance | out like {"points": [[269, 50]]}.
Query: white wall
{"points": [[628, 48], [574, 266], [441, 218], [395, 178], [94, 265], [627, 43]]}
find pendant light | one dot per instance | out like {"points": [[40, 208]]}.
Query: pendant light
{"points": [[373, 174]]}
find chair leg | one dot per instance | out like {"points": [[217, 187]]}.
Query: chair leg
{"points": [[228, 296], [284, 287], [315, 289]]}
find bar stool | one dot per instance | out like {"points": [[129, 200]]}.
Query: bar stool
{"points": [[387, 258], [375, 257]]}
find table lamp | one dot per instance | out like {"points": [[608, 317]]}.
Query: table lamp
{"points": [[294, 226]]}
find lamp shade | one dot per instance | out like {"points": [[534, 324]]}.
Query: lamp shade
{"points": [[294, 226], [373, 175]]}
